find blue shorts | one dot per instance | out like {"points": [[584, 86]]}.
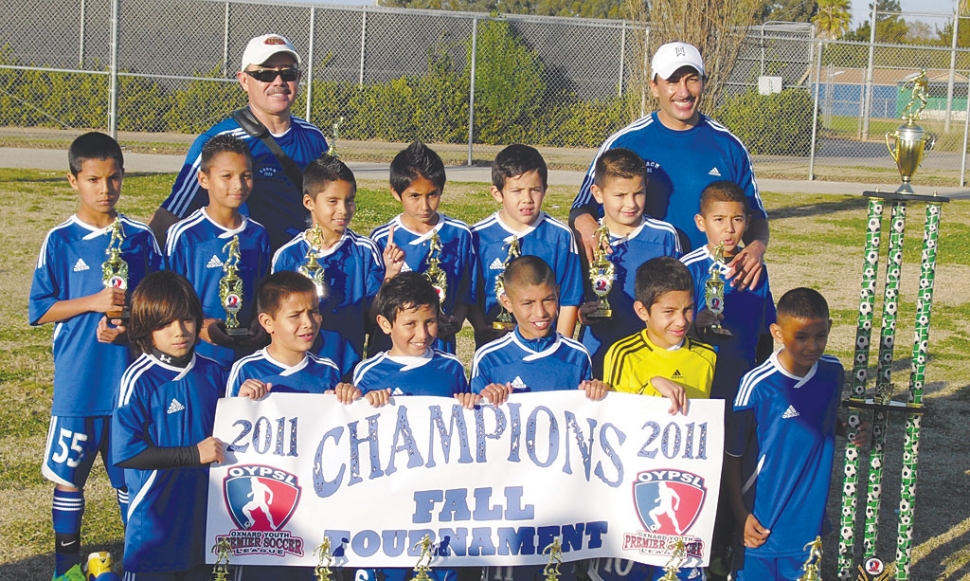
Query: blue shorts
{"points": [[73, 443], [757, 568]]}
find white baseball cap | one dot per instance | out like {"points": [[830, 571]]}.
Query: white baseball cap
{"points": [[260, 49], [674, 55]]}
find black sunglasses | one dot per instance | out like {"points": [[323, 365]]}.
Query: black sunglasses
{"points": [[269, 75]]}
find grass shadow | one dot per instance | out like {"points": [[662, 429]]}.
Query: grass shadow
{"points": [[819, 208]]}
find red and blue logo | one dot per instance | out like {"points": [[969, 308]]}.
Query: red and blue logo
{"points": [[668, 502], [260, 498]]}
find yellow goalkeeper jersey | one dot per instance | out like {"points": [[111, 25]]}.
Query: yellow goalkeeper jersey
{"points": [[632, 361]]}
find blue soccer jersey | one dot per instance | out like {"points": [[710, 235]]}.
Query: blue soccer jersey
{"points": [[792, 420], [86, 372], [435, 373], [354, 273], [546, 238], [680, 164], [312, 375], [748, 314], [651, 239], [457, 261], [166, 407], [275, 202], [196, 249], [549, 363]]}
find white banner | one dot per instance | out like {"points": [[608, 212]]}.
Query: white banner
{"points": [[494, 486]]}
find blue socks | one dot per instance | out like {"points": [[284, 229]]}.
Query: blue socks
{"points": [[67, 509], [123, 504]]}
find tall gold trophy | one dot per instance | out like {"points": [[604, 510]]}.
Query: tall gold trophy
{"points": [[813, 564], [222, 549], [423, 565], [908, 144], [114, 270], [504, 321], [551, 570], [714, 291], [311, 267], [231, 289], [677, 559], [602, 274], [322, 570]]}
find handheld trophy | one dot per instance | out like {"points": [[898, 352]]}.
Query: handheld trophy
{"points": [[424, 561], [322, 570], [714, 291], [504, 322], [909, 143], [677, 559], [222, 549], [231, 289], [311, 267], [551, 570], [434, 272], [814, 561], [114, 270], [602, 274]]}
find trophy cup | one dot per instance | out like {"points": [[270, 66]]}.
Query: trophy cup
{"points": [[221, 569], [714, 291], [114, 270], [311, 267], [332, 150], [434, 273], [504, 322], [322, 570], [551, 570], [909, 142], [814, 561], [424, 561], [231, 289], [677, 558], [602, 273]]}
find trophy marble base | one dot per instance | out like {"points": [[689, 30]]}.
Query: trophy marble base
{"points": [[503, 325], [718, 330], [123, 314], [237, 332], [601, 314]]}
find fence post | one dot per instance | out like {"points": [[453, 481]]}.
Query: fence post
{"points": [[619, 87], [966, 132], [225, 42], [867, 99], [363, 42], [80, 43], [471, 91], [309, 60], [646, 72], [818, 83], [953, 65], [113, 71]]}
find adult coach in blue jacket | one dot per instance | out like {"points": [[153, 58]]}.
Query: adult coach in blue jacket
{"points": [[270, 75], [685, 151]]}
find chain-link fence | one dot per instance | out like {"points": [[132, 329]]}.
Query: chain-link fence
{"points": [[393, 75]]}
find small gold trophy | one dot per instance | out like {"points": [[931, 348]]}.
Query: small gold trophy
{"points": [[909, 142], [311, 267], [424, 561], [114, 270], [714, 291], [677, 559], [551, 570], [322, 570], [504, 322], [231, 289], [814, 561], [434, 273], [602, 273], [221, 569]]}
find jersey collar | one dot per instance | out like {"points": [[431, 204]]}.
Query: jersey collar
{"points": [[618, 239], [226, 233], [537, 348], [328, 251], [287, 370], [420, 238], [180, 365], [524, 233], [799, 381], [92, 231], [412, 362]]}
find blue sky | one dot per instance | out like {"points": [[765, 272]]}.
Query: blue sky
{"points": [[860, 10]]}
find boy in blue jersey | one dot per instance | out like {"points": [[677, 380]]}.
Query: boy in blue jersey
{"points": [[407, 307], [533, 357], [353, 268], [519, 181], [417, 180], [68, 289], [198, 246], [748, 311], [162, 433], [634, 238], [288, 309], [788, 403]]}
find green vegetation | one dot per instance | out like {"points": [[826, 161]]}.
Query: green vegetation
{"points": [[777, 124]]}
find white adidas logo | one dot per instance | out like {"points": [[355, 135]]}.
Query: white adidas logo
{"points": [[496, 265], [81, 265], [518, 384], [214, 262], [397, 391], [791, 412], [714, 172], [405, 267], [175, 406]]}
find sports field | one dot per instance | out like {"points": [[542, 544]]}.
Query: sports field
{"points": [[816, 241]]}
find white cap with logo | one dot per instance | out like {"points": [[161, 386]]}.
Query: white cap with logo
{"points": [[675, 55], [260, 49]]}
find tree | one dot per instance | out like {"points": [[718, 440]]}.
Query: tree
{"points": [[890, 28], [832, 19], [792, 10]]}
